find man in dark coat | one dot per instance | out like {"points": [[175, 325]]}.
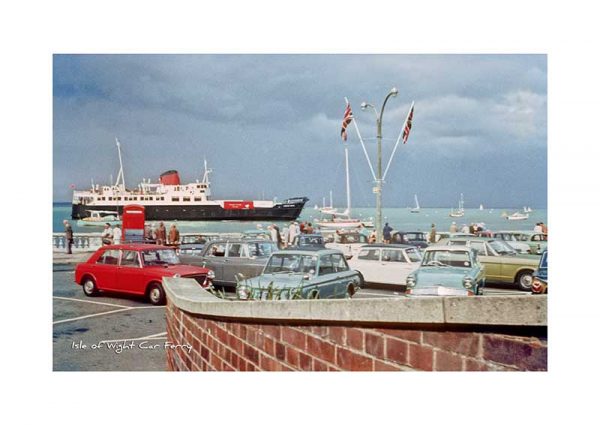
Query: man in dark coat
{"points": [[68, 236]]}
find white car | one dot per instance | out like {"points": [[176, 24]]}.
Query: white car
{"points": [[386, 264], [347, 242]]}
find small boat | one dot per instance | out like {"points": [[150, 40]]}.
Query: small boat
{"points": [[517, 216], [417, 208], [460, 212], [99, 218], [480, 207]]}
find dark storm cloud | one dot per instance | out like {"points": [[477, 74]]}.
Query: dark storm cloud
{"points": [[270, 123]]}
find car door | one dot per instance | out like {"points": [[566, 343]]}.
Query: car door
{"points": [[130, 276], [492, 261], [214, 258], [234, 260], [394, 267], [105, 270], [327, 276], [367, 262]]}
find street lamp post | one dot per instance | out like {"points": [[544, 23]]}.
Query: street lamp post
{"points": [[379, 180]]}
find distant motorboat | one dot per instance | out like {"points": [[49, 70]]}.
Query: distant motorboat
{"points": [[100, 218], [417, 208], [516, 216], [527, 209]]}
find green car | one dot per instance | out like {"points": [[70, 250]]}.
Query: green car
{"points": [[301, 274], [447, 271], [502, 263]]}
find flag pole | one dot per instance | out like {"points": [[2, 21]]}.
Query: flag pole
{"points": [[398, 141], [361, 143]]}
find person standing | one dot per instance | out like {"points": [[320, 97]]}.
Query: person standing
{"points": [[387, 233], [432, 234], [544, 228], [68, 236], [107, 235], [173, 235], [538, 227], [117, 234], [453, 227], [373, 237], [161, 234], [293, 232]]}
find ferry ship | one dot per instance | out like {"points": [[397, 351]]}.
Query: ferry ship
{"points": [[169, 199]]}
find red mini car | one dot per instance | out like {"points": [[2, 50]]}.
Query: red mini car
{"points": [[136, 269]]}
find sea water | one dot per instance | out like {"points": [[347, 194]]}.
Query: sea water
{"points": [[398, 218]]}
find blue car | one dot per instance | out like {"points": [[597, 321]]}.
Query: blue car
{"points": [[540, 276], [447, 270], [299, 274]]}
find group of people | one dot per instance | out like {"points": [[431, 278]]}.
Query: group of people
{"points": [[541, 227], [159, 234], [286, 236]]}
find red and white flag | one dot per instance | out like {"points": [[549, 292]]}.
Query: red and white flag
{"points": [[408, 124], [346, 122]]}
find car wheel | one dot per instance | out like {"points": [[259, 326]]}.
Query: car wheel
{"points": [[89, 287], [156, 294], [524, 280], [314, 294], [350, 291]]}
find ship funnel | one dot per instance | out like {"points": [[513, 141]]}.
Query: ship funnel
{"points": [[170, 177]]}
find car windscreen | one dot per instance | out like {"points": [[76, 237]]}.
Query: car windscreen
{"points": [[261, 249], [291, 263], [446, 258], [160, 256], [502, 247], [414, 237], [414, 255], [353, 238]]}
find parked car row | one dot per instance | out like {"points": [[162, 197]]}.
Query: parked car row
{"points": [[312, 268]]}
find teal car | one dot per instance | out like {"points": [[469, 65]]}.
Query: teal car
{"points": [[302, 274], [447, 270]]}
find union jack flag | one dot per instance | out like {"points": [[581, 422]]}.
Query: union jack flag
{"points": [[346, 121], [408, 124]]}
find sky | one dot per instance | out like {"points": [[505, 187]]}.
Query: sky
{"points": [[269, 125]]}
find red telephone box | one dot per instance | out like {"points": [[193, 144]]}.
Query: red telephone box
{"points": [[134, 219]]}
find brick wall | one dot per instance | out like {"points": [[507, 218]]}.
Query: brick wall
{"points": [[224, 345]]}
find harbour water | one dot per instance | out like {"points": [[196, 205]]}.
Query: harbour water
{"points": [[398, 218]]}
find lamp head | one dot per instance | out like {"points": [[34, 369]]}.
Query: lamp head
{"points": [[394, 91], [363, 106]]}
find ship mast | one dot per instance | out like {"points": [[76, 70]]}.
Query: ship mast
{"points": [[121, 175]]}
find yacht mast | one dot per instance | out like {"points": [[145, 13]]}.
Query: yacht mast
{"points": [[121, 175]]}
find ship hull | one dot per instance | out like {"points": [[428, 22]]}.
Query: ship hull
{"points": [[279, 212]]}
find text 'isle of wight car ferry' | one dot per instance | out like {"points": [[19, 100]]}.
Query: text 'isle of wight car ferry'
{"points": [[170, 200]]}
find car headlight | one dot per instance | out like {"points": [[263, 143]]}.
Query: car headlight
{"points": [[243, 292], [411, 281], [468, 282], [210, 274]]}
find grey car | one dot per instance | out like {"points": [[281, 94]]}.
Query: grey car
{"points": [[227, 258]]}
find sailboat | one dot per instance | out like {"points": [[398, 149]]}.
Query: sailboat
{"points": [[417, 208], [329, 209], [340, 220], [480, 207], [460, 212]]}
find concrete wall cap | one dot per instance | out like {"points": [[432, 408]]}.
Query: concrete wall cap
{"points": [[526, 310]]}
